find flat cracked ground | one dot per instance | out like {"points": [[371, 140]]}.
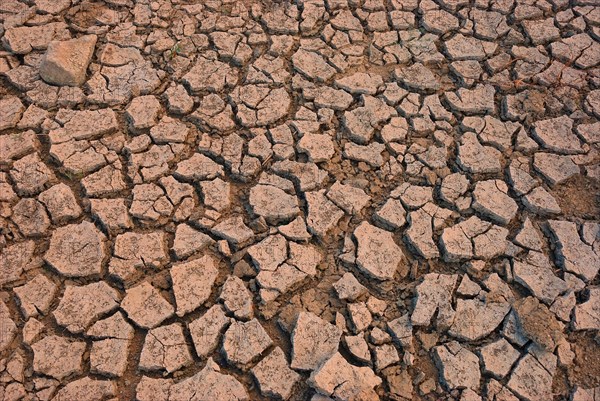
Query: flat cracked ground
{"points": [[331, 200]]}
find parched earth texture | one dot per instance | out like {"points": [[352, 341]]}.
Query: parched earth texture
{"points": [[316, 200]]}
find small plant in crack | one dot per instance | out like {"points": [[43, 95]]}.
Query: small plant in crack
{"points": [[174, 51]]}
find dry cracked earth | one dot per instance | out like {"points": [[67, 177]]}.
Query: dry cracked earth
{"points": [[325, 200]]}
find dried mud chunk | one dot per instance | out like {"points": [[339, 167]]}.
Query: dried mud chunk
{"points": [[209, 384], [151, 389], [556, 134], [274, 376], [337, 378], [209, 75], [80, 306], [572, 253], [11, 110], [15, 259], [434, 295], [143, 111], [88, 389], [378, 255], [234, 230], [587, 314], [206, 330], [530, 380], [134, 252], [145, 306], [479, 100], [313, 65], [348, 287], [536, 273], [36, 296], [58, 357], [165, 348], [459, 367], [24, 39], [538, 323], [112, 213], [31, 217], [192, 283], [476, 158], [259, 106], [323, 215], [77, 250], [8, 327], [65, 63], [498, 357], [313, 341], [61, 203], [554, 168], [189, 241], [31, 175], [490, 198], [109, 357], [244, 342], [417, 76], [237, 298], [475, 319], [273, 203]]}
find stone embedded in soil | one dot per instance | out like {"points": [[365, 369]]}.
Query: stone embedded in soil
{"points": [[58, 356], [192, 283], [245, 342], [65, 63], [145, 306], [459, 367], [378, 255], [274, 376], [313, 341], [80, 306], [77, 250], [165, 348]]}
